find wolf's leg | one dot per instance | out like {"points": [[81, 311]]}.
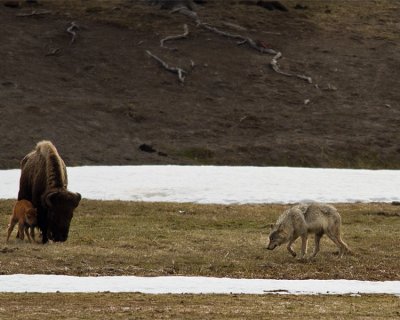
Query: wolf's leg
{"points": [[336, 241], [317, 239], [289, 247], [334, 235], [304, 239], [343, 246]]}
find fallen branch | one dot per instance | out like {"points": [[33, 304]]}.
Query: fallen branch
{"points": [[242, 39], [186, 12], [234, 26], [53, 52], [180, 36], [71, 29], [257, 45], [275, 66], [180, 72], [34, 13]]}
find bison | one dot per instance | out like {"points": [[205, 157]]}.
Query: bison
{"points": [[44, 182]]}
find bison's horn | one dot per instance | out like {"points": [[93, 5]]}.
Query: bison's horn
{"points": [[48, 199]]}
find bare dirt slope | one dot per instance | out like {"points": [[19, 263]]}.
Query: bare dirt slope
{"points": [[102, 97]]}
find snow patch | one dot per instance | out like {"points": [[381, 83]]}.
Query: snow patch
{"points": [[191, 285], [224, 185]]}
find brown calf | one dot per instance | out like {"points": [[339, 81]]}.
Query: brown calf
{"points": [[26, 216]]}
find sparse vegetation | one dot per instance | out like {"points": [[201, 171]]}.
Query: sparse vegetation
{"points": [[140, 306], [133, 238]]}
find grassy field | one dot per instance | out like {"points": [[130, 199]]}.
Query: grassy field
{"points": [[140, 306], [133, 238]]}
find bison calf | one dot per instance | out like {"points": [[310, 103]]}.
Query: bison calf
{"points": [[26, 216], [303, 219]]}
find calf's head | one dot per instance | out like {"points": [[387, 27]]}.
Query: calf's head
{"points": [[60, 209], [31, 217]]}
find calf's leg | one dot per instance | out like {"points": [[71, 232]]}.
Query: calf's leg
{"points": [[21, 230], [10, 228]]}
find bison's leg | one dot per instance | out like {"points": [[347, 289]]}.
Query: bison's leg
{"points": [[42, 224], [32, 232], [45, 237], [27, 234], [317, 240]]}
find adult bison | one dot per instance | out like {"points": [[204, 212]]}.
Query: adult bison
{"points": [[44, 182]]}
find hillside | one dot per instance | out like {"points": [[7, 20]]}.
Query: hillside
{"points": [[102, 100]]}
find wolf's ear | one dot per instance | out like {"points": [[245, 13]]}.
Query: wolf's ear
{"points": [[271, 226]]}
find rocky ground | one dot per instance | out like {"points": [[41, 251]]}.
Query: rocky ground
{"points": [[102, 100]]}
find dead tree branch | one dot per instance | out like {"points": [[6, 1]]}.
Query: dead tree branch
{"points": [[275, 66], [234, 26], [180, 72], [34, 13], [242, 39], [71, 30], [53, 52], [180, 36], [185, 11], [257, 45]]}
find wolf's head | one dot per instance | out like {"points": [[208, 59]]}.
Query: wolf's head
{"points": [[277, 237]]}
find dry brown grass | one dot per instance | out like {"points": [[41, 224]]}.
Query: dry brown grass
{"points": [[140, 306], [133, 238]]}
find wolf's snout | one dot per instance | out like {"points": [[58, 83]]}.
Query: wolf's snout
{"points": [[271, 246]]}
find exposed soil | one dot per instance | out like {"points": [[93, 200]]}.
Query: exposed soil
{"points": [[102, 97]]}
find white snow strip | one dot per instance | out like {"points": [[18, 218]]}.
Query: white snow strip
{"points": [[211, 184], [193, 285], [225, 185]]}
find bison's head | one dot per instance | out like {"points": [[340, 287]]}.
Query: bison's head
{"points": [[60, 207]]}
